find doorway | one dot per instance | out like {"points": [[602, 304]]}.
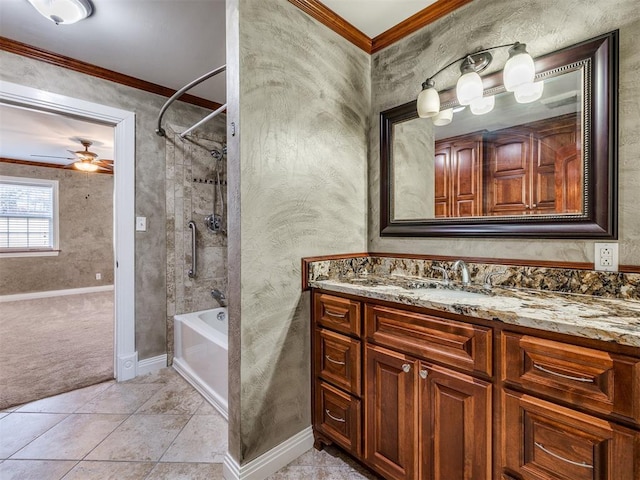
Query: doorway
{"points": [[123, 123]]}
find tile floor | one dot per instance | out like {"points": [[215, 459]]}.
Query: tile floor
{"points": [[153, 427]]}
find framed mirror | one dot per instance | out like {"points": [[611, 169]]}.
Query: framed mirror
{"points": [[545, 169]]}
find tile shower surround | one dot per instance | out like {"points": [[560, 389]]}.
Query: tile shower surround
{"points": [[190, 173], [564, 280]]}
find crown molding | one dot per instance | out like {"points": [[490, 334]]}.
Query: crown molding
{"points": [[69, 63], [335, 22], [415, 22]]}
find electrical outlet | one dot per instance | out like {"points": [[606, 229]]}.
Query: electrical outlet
{"points": [[98, 276], [606, 257]]}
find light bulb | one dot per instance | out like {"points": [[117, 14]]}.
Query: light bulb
{"points": [[519, 69], [428, 103], [529, 92], [443, 118], [469, 88], [85, 166], [483, 105]]}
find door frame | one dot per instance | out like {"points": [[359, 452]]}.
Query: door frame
{"points": [[123, 121]]}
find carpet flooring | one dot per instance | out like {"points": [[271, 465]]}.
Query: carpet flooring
{"points": [[53, 345]]}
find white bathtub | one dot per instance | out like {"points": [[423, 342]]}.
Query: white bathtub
{"points": [[201, 346]]}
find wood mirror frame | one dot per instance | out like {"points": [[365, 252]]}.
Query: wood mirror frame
{"points": [[599, 220]]}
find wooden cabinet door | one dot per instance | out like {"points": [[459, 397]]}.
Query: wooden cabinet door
{"points": [[391, 416], [458, 176], [557, 167], [442, 182], [508, 182], [466, 177], [456, 425]]}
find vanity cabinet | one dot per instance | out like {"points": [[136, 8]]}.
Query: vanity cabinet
{"points": [[561, 404], [418, 395]]}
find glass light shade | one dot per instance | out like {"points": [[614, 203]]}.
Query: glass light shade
{"points": [[443, 118], [483, 105], [85, 166], [63, 11], [518, 70], [469, 88], [529, 92], [428, 103]]}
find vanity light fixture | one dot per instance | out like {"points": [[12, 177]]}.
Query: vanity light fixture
{"points": [[63, 12], [519, 74]]}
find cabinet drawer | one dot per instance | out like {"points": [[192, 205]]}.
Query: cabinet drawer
{"points": [[337, 359], [337, 415], [453, 343], [544, 441], [600, 381], [337, 313]]}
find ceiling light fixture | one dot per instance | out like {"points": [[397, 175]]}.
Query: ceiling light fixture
{"points": [[63, 11], [518, 76], [85, 166]]}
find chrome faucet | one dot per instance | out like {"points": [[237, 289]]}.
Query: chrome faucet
{"points": [[219, 296], [464, 271]]}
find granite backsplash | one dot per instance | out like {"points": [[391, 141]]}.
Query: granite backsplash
{"points": [[565, 280]]}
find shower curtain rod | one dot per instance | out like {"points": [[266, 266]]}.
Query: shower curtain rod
{"points": [[161, 131]]}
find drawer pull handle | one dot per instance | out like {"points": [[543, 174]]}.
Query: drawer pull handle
{"points": [[557, 374], [334, 361], [406, 367], [337, 419], [423, 374], [577, 464], [335, 314]]}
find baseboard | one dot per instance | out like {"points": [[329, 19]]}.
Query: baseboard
{"points": [[54, 293], [150, 365], [270, 462]]}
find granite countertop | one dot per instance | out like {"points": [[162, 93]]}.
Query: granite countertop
{"points": [[608, 319]]}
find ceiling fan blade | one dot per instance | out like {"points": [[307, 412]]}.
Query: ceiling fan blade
{"points": [[54, 156], [104, 163]]}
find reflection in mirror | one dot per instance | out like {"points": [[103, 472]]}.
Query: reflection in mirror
{"points": [[544, 169], [518, 159]]}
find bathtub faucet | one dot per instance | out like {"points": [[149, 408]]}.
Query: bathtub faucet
{"points": [[219, 296]]}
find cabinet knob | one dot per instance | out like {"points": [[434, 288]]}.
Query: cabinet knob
{"points": [[406, 367], [423, 374], [534, 205]]}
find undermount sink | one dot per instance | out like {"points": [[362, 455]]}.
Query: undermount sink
{"points": [[449, 293]]}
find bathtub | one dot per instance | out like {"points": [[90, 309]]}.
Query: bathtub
{"points": [[201, 346]]}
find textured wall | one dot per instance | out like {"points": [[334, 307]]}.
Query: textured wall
{"points": [[150, 248], [303, 120], [545, 26], [86, 235], [191, 190]]}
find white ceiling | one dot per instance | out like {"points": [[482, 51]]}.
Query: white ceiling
{"points": [[373, 17], [29, 134], [167, 42]]}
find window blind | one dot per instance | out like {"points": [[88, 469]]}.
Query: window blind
{"points": [[26, 216]]}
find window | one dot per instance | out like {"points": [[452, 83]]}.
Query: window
{"points": [[28, 216]]}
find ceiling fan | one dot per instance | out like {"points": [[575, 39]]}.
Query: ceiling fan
{"points": [[85, 160]]}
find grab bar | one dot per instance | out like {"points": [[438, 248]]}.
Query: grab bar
{"points": [[194, 257], [161, 131]]}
